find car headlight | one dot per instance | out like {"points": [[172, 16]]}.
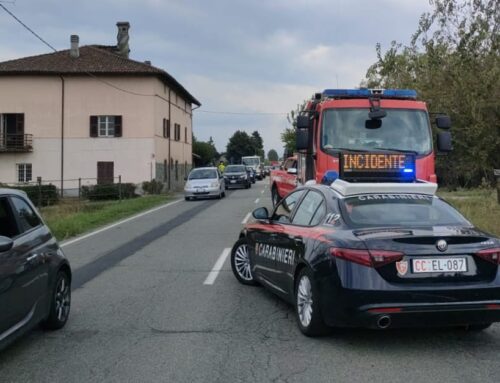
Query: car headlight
{"points": [[243, 177], [188, 185], [214, 184]]}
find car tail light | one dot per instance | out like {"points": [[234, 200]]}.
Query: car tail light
{"points": [[370, 258], [490, 255]]}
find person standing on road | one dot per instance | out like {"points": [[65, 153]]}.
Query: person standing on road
{"points": [[221, 167]]}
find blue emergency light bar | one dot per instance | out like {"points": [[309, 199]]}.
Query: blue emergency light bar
{"points": [[402, 94]]}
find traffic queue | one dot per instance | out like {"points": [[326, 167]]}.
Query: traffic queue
{"points": [[372, 248]]}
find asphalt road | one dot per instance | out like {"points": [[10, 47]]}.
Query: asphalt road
{"points": [[141, 312]]}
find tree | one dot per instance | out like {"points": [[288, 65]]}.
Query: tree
{"points": [[272, 155], [258, 144], [206, 151], [453, 62], [240, 144]]}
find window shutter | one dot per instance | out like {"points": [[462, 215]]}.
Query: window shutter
{"points": [[118, 126], [20, 123], [168, 128], [93, 126]]}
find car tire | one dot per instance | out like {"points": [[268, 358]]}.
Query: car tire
{"points": [[275, 196], [478, 327], [240, 263], [187, 198], [223, 194], [307, 306], [60, 303]]}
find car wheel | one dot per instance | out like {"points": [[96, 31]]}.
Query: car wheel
{"points": [[307, 307], [275, 196], [187, 198], [223, 194], [478, 327], [60, 303], [240, 262]]}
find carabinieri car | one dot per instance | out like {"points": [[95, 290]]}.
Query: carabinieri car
{"points": [[375, 255]]}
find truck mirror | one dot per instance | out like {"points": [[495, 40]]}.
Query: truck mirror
{"points": [[302, 139], [303, 122], [444, 142], [443, 122]]}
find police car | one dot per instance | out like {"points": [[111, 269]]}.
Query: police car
{"points": [[368, 254]]}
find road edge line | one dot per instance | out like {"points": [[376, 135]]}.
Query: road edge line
{"points": [[85, 236], [247, 217]]}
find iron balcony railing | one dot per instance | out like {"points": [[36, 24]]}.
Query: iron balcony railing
{"points": [[16, 143]]}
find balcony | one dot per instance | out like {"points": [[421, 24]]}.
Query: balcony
{"points": [[16, 143]]}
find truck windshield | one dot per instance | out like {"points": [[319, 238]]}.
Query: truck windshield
{"points": [[251, 161], [401, 129]]}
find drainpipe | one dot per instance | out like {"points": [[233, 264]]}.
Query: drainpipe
{"points": [[62, 134], [169, 138]]}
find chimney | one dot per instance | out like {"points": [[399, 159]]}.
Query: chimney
{"points": [[122, 38], [74, 52]]}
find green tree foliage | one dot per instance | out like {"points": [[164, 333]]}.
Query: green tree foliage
{"points": [[272, 155], [258, 144], [453, 62], [207, 152], [240, 144]]}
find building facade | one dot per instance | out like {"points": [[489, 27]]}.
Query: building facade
{"points": [[90, 114]]}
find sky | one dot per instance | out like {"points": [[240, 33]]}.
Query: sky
{"points": [[251, 62]]}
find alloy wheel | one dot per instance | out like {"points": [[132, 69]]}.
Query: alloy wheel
{"points": [[304, 301], [242, 263], [62, 299]]}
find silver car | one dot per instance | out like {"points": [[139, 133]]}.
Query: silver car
{"points": [[204, 182]]}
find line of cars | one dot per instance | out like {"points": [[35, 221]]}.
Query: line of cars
{"points": [[210, 182]]}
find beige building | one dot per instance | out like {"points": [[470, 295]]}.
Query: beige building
{"points": [[92, 113]]}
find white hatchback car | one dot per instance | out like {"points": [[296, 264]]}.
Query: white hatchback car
{"points": [[204, 182]]}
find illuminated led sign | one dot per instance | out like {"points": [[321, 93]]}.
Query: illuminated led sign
{"points": [[377, 166]]}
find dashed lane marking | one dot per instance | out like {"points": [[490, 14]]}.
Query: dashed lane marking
{"points": [[212, 276], [257, 200], [245, 220]]}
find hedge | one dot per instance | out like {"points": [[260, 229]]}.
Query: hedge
{"points": [[108, 191]]}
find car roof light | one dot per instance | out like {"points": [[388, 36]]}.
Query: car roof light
{"points": [[402, 94], [350, 188]]}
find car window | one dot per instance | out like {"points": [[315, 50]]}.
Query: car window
{"points": [[283, 211], [399, 210], [25, 214], [8, 225], [200, 174], [307, 209]]}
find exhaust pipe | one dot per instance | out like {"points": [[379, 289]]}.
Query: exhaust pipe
{"points": [[384, 321]]}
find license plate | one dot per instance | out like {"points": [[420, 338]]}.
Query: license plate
{"points": [[200, 190], [439, 265], [233, 181]]}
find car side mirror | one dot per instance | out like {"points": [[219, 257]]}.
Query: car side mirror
{"points": [[443, 122], [444, 142], [261, 214], [292, 171], [5, 244]]}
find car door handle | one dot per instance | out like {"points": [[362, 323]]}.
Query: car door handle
{"points": [[32, 257]]}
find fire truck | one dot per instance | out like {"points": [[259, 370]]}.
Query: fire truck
{"points": [[355, 133]]}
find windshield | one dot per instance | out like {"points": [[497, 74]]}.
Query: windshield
{"points": [[401, 129], [235, 169], [399, 210], [251, 161], [199, 174]]}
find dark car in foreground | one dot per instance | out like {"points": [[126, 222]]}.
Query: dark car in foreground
{"points": [[237, 176], [35, 276], [372, 255]]}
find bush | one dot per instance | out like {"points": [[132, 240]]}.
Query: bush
{"points": [[152, 187], [108, 191], [43, 195]]}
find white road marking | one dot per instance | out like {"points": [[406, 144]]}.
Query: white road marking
{"points": [[247, 217], [78, 239], [257, 200], [262, 192], [217, 267]]}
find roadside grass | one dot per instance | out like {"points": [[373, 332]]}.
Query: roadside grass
{"points": [[72, 217], [479, 206]]}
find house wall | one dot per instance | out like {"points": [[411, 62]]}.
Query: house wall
{"points": [[135, 155]]}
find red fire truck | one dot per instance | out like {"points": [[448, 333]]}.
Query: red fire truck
{"points": [[363, 133]]}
